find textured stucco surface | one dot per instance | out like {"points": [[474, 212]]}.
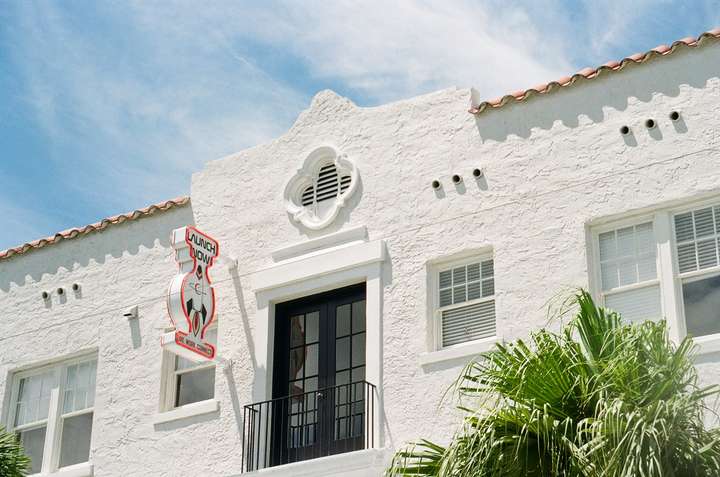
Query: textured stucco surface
{"points": [[552, 166]]}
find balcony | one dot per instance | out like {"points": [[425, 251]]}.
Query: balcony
{"points": [[308, 425]]}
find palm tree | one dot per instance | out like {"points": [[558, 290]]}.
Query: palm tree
{"points": [[13, 461], [600, 398]]}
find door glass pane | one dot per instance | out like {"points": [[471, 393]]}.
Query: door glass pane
{"points": [[311, 364], [75, 441], [342, 323], [358, 316], [195, 386], [702, 306], [358, 374], [342, 353], [358, 349], [297, 331], [297, 362], [342, 377], [312, 327], [33, 442]]}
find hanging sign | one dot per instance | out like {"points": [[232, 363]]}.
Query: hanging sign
{"points": [[190, 296]]}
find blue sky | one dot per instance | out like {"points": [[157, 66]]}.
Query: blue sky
{"points": [[109, 106]]}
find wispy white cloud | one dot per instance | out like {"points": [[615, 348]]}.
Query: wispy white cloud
{"points": [[137, 95]]}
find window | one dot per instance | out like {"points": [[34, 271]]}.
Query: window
{"points": [[465, 302], [696, 243], [52, 413], [628, 271], [321, 187], [677, 251], [187, 382]]}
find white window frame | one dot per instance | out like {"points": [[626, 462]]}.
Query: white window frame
{"points": [[53, 433], [168, 382], [434, 299], [596, 282], [668, 275]]}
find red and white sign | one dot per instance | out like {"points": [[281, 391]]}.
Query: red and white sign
{"points": [[191, 298]]}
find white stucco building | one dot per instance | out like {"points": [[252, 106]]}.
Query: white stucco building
{"points": [[364, 257]]}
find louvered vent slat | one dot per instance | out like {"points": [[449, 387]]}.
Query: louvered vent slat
{"points": [[327, 186], [468, 323]]}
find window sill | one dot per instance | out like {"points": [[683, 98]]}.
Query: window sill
{"points": [[349, 464], [188, 410], [457, 352], [707, 344], [78, 470]]}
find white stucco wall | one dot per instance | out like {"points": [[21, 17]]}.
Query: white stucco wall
{"points": [[552, 165]]}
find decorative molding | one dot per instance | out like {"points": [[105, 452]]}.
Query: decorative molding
{"points": [[321, 214], [314, 266], [343, 237]]}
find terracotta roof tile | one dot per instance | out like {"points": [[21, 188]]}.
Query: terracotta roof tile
{"points": [[103, 224], [590, 73]]}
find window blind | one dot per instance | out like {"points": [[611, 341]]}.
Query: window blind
{"points": [[467, 284], [696, 239]]}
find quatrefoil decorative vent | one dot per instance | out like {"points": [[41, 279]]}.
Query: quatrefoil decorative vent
{"points": [[320, 188]]}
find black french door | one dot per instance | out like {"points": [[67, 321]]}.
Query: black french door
{"points": [[318, 376]]}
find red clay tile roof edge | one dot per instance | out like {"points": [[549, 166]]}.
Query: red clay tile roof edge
{"points": [[103, 224], [590, 73]]}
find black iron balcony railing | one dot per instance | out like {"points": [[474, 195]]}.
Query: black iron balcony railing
{"points": [[308, 425]]}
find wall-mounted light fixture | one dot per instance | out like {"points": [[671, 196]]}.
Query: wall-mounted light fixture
{"points": [[456, 179], [650, 123], [674, 116], [131, 313], [624, 130], [436, 184], [477, 173]]}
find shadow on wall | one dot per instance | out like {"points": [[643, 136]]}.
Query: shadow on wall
{"points": [[128, 238], [660, 76]]}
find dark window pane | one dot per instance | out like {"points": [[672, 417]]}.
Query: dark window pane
{"points": [[312, 327], [75, 442], [458, 275], [296, 389], [342, 377], [446, 297], [195, 386], [474, 291], [342, 353], [473, 272], [459, 294], [488, 269], [358, 316], [297, 362], [311, 360], [33, 442], [445, 279], [702, 306], [358, 374], [343, 320], [358, 349], [488, 287], [297, 331]]}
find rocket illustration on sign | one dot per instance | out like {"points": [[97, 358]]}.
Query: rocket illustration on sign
{"points": [[191, 297]]}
